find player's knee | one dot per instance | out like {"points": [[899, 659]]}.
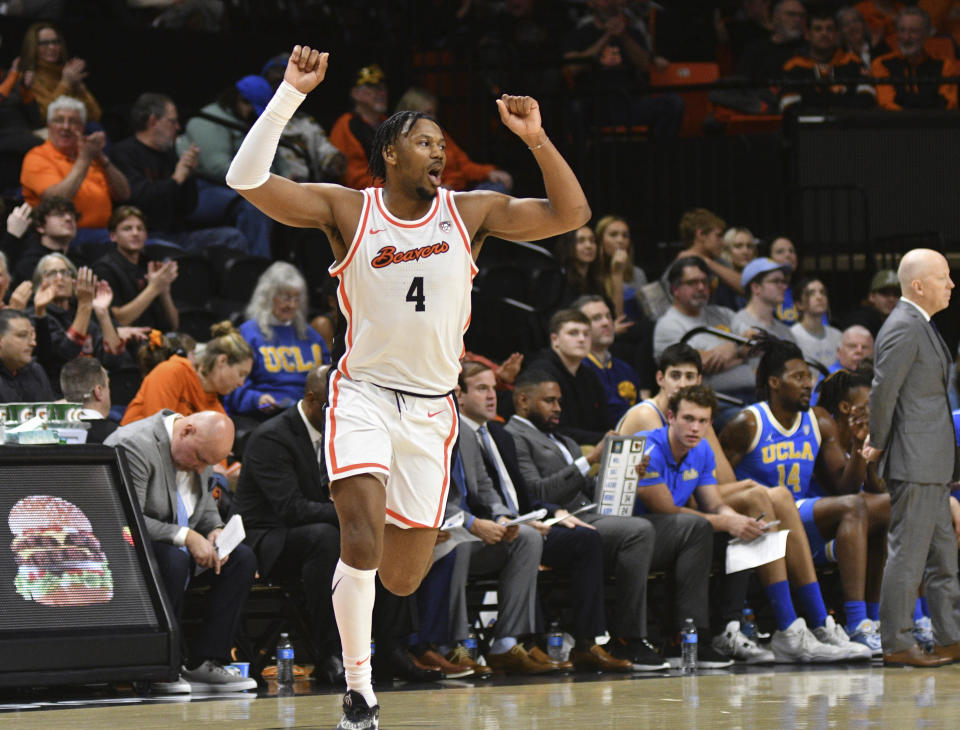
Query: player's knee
{"points": [[756, 498], [399, 584], [855, 508]]}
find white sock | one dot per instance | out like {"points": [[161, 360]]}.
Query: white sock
{"points": [[354, 592]]}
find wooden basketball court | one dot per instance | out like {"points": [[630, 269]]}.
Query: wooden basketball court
{"points": [[783, 697]]}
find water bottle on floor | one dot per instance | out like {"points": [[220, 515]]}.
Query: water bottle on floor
{"points": [[471, 644], [284, 664], [555, 642], [748, 624], [688, 648]]}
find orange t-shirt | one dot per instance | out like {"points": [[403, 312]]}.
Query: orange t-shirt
{"points": [[44, 166], [172, 384]]}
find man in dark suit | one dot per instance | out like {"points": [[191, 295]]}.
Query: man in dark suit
{"points": [[912, 436], [554, 469], [83, 380], [290, 522], [571, 545], [170, 461]]}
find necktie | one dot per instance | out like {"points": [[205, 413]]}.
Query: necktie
{"points": [[506, 485]]}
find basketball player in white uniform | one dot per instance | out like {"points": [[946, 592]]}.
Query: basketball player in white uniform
{"points": [[404, 257]]}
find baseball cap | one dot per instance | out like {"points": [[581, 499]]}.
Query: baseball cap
{"points": [[760, 266], [885, 279], [255, 90], [370, 75]]}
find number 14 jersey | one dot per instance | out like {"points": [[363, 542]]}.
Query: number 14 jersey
{"points": [[781, 457], [405, 293]]}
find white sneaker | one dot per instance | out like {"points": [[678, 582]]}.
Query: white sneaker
{"points": [[866, 633], [732, 643], [833, 634], [179, 686], [212, 676], [796, 644]]}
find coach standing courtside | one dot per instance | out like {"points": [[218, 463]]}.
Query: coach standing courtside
{"points": [[911, 435]]}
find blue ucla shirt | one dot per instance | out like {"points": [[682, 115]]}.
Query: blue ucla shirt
{"points": [[781, 457], [696, 469]]}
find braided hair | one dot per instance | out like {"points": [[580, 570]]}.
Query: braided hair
{"points": [[387, 133], [838, 385], [776, 354]]}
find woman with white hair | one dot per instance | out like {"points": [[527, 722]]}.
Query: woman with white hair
{"points": [[285, 347]]}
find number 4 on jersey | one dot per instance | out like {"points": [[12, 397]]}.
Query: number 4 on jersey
{"points": [[415, 294]]}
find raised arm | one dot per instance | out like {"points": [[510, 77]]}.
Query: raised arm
{"points": [[301, 205], [528, 219]]}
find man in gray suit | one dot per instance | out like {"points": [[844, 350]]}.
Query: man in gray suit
{"points": [[555, 471], [912, 436], [170, 461], [513, 553]]}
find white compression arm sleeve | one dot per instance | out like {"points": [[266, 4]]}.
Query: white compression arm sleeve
{"points": [[251, 165]]}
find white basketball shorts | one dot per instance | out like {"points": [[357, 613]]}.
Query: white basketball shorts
{"points": [[405, 440]]}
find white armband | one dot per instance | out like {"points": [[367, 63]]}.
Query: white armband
{"points": [[251, 165]]}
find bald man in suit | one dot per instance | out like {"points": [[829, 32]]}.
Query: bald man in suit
{"points": [[912, 437], [170, 462]]}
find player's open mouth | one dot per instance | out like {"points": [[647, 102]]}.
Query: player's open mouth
{"points": [[434, 174]]}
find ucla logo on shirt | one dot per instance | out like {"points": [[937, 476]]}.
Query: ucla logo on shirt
{"points": [[806, 430], [289, 359], [786, 450], [690, 474]]}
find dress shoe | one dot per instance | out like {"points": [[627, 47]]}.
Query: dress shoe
{"points": [[450, 669], [915, 657], [950, 651], [539, 655], [597, 658], [517, 661], [460, 655], [399, 663], [329, 670]]}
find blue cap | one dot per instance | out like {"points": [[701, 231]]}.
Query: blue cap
{"points": [[255, 90], [758, 267]]}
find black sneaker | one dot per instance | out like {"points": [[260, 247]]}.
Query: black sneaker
{"points": [[640, 652], [707, 657], [357, 715]]}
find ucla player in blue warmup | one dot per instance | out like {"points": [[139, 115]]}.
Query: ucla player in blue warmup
{"points": [[777, 442], [681, 466]]}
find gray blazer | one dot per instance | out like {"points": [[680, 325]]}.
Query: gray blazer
{"points": [[909, 412], [480, 485], [545, 470], [146, 446]]}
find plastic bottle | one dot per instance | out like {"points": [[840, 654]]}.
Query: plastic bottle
{"points": [[555, 642], [748, 624], [284, 664], [471, 644], [688, 648]]}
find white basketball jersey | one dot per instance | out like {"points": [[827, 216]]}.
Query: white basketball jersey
{"points": [[405, 293]]}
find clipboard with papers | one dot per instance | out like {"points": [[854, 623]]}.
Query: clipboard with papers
{"points": [[616, 489]]}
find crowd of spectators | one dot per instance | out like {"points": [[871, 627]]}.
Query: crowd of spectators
{"points": [[101, 329]]}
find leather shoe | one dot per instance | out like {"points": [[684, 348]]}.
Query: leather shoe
{"points": [[460, 655], [539, 655], [950, 651], [915, 657], [597, 658], [517, 661], [450, 669], [399, 663]]}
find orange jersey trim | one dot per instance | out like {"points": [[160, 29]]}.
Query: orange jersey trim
{"points": [[357, 237], [382, 207]]}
